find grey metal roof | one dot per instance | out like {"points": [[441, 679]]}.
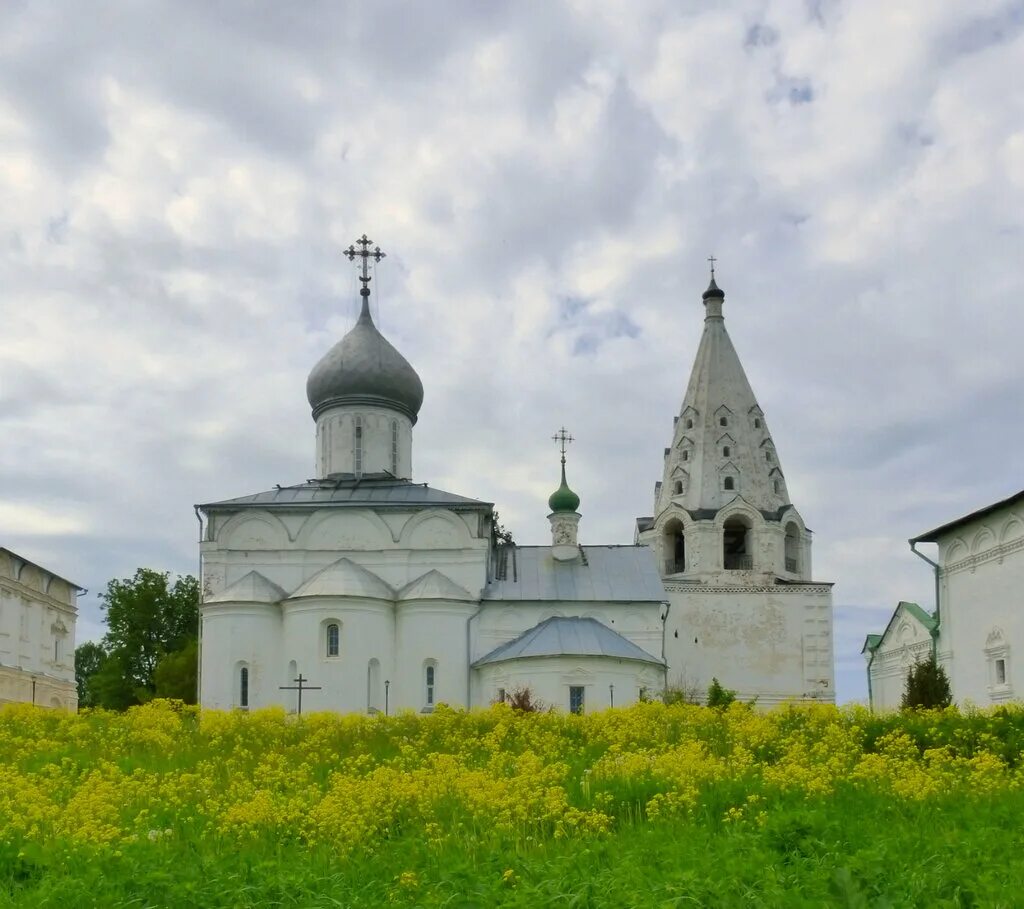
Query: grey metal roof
{"points": [[374, 491], [602, 573], [932, 536], [562, 636]]}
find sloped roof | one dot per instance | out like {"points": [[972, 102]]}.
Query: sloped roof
{"points": [[572, 636], [250, 588], [434, 586], [925, 618], [22, 558], [345, 578], [348, 491], [602, 573], [932, 536], [871, 643]]}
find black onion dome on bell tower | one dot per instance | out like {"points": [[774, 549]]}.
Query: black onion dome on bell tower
{"points": [[363, 367]]}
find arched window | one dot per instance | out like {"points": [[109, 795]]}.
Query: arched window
{"points": [[243, 687], [333, 639], [736, 549], [686, 456], [394, 447], [723, 421], [729, 483], [678, 487], [726, 451], [689, 424], [768, 456], [674, 547], [792, 547], [776, 487], [357, 446], [429, 680]]}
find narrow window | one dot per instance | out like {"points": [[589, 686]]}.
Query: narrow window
{"points": [[689, 424], [501, 696], [730, 483], [394, 447], [679, 487], [775, 485], [333, 639], [723, 421], [768, 456], [56, 650], [243, 687], [757, 423], [430, 686], [1000, 672], [725, 451], [575, 699], [357, 459], [686, 456]]}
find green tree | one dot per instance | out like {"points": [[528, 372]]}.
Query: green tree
{"points": [[89, 658], [927, 685], [177, 673], [147, 618], [719, 696]]}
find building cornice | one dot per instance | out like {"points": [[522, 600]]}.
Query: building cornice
{"points": [[995, 553]]}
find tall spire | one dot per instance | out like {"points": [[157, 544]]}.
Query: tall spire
{"points": [[563, 498], [565, 516], [721, 447]]}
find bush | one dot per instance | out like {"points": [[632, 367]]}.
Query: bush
{"points": [[927, 685], [522, 699], [719, 696]]}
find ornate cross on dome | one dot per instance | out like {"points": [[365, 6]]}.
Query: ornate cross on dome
{"points": [[364, 253], [712, 260], [563, 438]]}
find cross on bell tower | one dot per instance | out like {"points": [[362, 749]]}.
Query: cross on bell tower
{"points": [[365, 254]]}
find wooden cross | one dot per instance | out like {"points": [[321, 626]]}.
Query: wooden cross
{"points": [[300, 686], [364, 253], [563, 438]]}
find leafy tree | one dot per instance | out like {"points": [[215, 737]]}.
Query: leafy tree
{"points": [[719, 696], [89, 658], [147, 618], [177, 673], [927, 685]]}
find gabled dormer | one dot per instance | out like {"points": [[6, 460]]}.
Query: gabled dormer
{"points": [[689, 417], [723, 417], [726, 446], [755, 417]]}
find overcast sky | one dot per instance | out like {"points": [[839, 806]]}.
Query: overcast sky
{"points": [[178, 180]]}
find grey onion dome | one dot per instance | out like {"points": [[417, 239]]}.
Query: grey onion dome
{"points": [[713, 291], [364, 368]]}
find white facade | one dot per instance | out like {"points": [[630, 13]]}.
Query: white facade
{"points": [[980, 623], [384, 594], [734, 552], [37, 635]]}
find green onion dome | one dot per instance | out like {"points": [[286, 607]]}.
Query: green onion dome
{"points": [[563, 498]]}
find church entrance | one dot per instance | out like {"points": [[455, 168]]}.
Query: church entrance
{"points": [[674, 547], [736, 554]]}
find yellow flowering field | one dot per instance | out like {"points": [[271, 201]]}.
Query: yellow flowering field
{"points": [[650, 805]]}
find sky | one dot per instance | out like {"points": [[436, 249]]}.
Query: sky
{"points": [[180, 179]]}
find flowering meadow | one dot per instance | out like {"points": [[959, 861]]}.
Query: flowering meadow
{"points": [[644, 806]]}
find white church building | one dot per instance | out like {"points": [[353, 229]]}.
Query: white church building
{"points": [[383, 594], [978, 626], [733, 551], [372, 592]]}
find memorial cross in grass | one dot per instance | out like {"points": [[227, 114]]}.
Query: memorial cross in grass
{"points": [[300, 686]]}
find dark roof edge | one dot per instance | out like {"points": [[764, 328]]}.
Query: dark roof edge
{"points": [[59, 577], [229, 505], [931, 536]]}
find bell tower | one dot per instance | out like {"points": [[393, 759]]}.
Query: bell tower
{"points": [[731, 546]]}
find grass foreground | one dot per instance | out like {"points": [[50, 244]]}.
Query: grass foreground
{"points": [[644, 806]]}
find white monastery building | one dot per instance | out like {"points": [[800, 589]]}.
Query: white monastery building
{"points": [[978, 624], [733, 551], [381, 593], [388, 594], [38, 610]]}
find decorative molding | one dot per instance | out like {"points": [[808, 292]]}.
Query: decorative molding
{"points": [[787, 589], [995, 553]]}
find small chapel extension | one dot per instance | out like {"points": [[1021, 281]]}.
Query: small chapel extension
{"points": [[733, 551], [384, 594]]}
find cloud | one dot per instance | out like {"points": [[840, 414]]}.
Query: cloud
{"points": [[180, 179]]}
